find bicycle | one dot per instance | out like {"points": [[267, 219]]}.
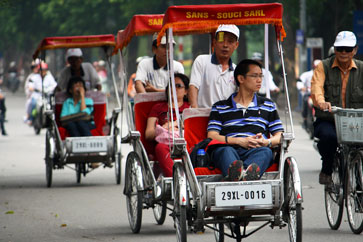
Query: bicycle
{"points": [[347, 176]]}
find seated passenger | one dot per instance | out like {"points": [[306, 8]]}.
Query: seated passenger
{"points": [[77, 103], [158, 123], [77, 67], [244, 122]]}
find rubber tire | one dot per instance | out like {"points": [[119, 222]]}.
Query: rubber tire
{"points": [[48, 160], [292, 209], [219, 235], [134, 210], [78, 172], [180, 211], [355, 177], [334, 200], [160, 212], [118, 168]]}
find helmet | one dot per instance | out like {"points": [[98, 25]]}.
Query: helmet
{"points": [[331, 51]]}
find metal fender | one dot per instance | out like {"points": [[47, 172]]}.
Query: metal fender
{"points": [[292, 164], [182, 181], [139, 176]]}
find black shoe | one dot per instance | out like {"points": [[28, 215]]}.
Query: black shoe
{"points": [[252, 173], [235, 171]]}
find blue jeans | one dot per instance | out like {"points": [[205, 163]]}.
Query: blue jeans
{"points": [[225, 155], [79, 128], [328, 143]]}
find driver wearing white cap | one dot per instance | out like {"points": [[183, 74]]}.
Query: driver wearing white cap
{"points": [[337, 81], [212, 75], [78, 68]]}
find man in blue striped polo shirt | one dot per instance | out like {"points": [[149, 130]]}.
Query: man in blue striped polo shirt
{"points": [[245, 121]]}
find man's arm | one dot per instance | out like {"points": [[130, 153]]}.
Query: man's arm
{"points": [[317, 88], [139, 86], [193, 96]]}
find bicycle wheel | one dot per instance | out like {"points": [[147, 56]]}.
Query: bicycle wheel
{"points": [[180, 211], [292, 208], [48, 159], [354, 193], [334, 195], [219, 232], [79, 171], [134, 197], [160, 212], [117, 157]]}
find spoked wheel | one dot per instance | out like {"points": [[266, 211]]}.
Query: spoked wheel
{"points": [[219, 232], [292, 208], [48, 159], [133, 196], [180, 210], [160, 212], [354, 194], [334, 198]]}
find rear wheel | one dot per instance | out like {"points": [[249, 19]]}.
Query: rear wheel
{"points": [[160, 212], [334, 198], [134, 198], [48, 159], [80, 169], [292, 208], [354, 194], [180, 211], [117, 159]]}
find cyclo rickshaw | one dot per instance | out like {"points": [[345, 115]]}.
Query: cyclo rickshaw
{"points": [[105, 144], [206, 201], [144, 191]]}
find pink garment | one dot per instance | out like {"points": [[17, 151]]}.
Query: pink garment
{"points": [[163, 135]]}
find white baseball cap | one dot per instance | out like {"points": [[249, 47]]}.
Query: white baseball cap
{"points": [[230, 28], [345, 38], [74, 52], [163, 39], [256, 56]]}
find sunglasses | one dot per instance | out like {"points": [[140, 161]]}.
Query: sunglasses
{"points": [[344, 48], [179, 86]]}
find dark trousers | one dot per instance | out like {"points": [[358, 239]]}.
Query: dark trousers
{"points": [[79, 128], [327, 145]]}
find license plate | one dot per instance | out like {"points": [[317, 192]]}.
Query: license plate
{"points": [[89, 145], [241, 195]]}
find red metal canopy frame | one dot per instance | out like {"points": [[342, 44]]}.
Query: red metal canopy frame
{"points": [[139, 25], [202, 18], [85, 41]]}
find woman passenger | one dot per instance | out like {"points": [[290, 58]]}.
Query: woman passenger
{"points": [[159, 125]]}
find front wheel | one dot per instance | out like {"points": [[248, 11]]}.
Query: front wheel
{"points": [[118, 168], [354, 193], [219, 232], [48, 159], [292, 208], [160, 212], [334, 198], [180, 210], [134, 197]]}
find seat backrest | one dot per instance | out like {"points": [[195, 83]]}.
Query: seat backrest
{"points": [[99, 108], [195, 125], [143, 105]]}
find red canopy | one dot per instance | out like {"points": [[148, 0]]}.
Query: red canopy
{"points": [[75, 42], [139, 25], [202, 18]]}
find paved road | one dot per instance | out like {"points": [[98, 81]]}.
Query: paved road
{"points": [[95, 209]]}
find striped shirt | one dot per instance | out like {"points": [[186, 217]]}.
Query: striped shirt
{"points": [[229, 120]]}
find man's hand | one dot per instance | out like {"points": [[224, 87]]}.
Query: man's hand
{"points": [[150, 88], [325, 106]]}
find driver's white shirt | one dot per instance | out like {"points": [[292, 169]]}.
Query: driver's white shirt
{"points": [[212, 83]]}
